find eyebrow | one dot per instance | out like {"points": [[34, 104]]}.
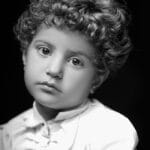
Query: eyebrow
{"points": [[78, 52], [47, 43]]}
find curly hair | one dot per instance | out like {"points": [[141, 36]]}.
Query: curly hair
{"points": [[104, 22]]}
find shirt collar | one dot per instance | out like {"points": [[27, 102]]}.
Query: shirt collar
{"points": [[34, 119]]}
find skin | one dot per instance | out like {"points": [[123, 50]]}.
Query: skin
{"points": [[61, 58]]}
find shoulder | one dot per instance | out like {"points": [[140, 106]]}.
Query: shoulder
{"points": [[9, 129], [106, 124], [104, 116], [18, 121], [1, 136]]}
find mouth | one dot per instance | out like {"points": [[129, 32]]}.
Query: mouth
{"points": [[49, 87]]}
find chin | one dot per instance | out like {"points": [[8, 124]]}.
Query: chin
{"points": [[50, 102]]}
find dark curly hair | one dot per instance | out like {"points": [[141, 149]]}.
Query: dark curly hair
{"points": [[104, 22]]}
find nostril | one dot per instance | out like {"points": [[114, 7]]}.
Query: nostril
{"points": [[58, 75]]}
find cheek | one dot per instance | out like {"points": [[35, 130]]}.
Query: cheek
{"points": [[31, 71], [33, 65], [29, 77], [79, 80]]}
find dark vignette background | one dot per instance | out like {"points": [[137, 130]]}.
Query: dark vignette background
{"points": [[125, 93]]}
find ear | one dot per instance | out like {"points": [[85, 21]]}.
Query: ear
{"points": [[103, 77], [99, 79], [24, 58]]}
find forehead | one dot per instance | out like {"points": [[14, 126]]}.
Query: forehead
{"points": [[64, 38]]}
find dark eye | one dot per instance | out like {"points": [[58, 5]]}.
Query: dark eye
{"points": [[76, 62], [44, 51]]}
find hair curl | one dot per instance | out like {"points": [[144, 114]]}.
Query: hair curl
{"points": [[104, 22]]}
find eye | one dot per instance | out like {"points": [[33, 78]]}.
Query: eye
{"points": [[76, 62], [44, 51]]}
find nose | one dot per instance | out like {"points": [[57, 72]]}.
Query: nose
{"points": [[55, 68]]}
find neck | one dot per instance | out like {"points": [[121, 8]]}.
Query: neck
{"points": [[50, 113], [46, 112]]}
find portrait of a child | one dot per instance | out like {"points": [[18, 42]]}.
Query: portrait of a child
{"points": [[69, 49]]}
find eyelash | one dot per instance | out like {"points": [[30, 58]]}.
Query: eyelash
{"points": [[40, 51], [80, 62]]}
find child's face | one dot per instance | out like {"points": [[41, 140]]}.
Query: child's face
{"points": [[58, 68]]}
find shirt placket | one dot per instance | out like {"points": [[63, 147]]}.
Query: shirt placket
{"points": [[49, 136]]}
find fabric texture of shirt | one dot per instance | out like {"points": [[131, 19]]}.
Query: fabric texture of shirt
{"points": [[92, 126]]}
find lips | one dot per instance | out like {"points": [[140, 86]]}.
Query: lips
{"points": [[49, 86]]}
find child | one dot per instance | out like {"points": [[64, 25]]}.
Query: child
{"points": [[69, 48]]}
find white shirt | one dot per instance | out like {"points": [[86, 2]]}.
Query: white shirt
{"points": [[89, 127]]}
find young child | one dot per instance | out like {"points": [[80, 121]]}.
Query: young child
{"points": [[69, 48]]}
